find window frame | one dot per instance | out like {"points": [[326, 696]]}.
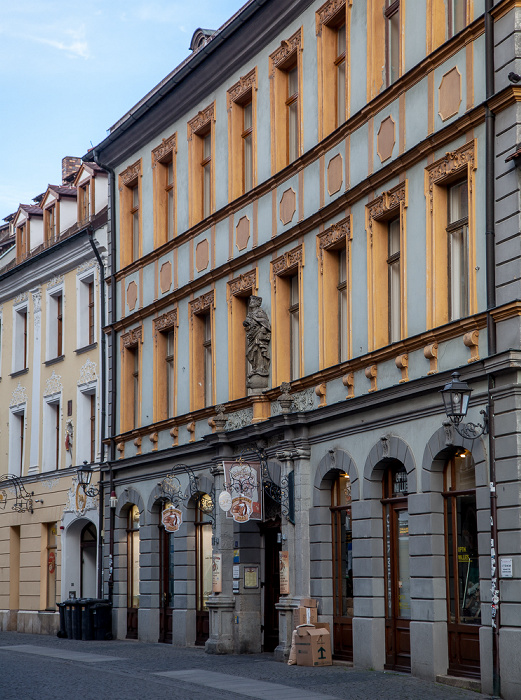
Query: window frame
{"points": [[17, 441], [132, 358], [164, 366], [202, 381], [239, 291], [54, 342], [199, 128], [52, 432], [165, 227], [239, 96], [20, 338], [130, 181]]}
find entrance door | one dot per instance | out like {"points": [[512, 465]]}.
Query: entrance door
{"points": [[203, 549], [88, 543], [166, 584], [132, 572], [271, 587], [398, 585], [461, 547], [342, 568]]}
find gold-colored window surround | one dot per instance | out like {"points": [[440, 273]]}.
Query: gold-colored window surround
{"points": [[454, 165], [130, 345], [197, 128], [198, 309], [243, 92], [163, 325], [328, 18], [287, 56], [239, 290], [283, 269], [162, 156], [128, 179], [387, 206], [86, 205], [377, 46], [329, 244]]}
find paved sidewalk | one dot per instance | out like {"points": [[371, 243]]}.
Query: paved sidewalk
{"points": [[35, 667]]}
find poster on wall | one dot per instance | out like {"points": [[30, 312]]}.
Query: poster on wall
{"points": [[284, 572], [243, 483], [172, 519], [217, 584]]}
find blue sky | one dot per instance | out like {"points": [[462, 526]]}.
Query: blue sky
{"points": [[69, 70]]}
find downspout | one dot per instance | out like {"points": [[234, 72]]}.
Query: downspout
{"points": [[112, 416], [103, 403], [491, 335]]}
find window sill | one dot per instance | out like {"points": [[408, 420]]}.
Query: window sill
{"points": [[19, 372], [86, 348], [54, 360]]}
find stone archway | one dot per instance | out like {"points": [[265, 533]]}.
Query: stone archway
{"points": [[72, 562]]}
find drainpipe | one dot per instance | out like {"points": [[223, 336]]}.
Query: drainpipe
{"points": [[491, 335], [103, 402], [112, 416]]}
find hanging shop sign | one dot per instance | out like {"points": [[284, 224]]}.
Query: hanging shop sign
{"points": [[217, 583], [172, 519], [284, 572], [243, 484], [52, 562]]}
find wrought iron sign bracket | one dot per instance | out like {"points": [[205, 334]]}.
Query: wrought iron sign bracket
{"points": [[172, 491], [284, 494], [23, 500]]}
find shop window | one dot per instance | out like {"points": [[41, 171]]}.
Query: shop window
{"points": [[450, 245], [288, 317], [165, 368], [201, 148], [332, 36], [130, 380], [334, 246], [130, 214], [286, 100], [202, 351], [164, 171], [386, 226], [242, 157]]}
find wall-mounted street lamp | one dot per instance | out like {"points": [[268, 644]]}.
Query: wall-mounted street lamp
{"points": [[456, 395], [84, 478]]}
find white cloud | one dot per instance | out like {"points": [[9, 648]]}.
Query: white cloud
{"points": [[75, 48]]}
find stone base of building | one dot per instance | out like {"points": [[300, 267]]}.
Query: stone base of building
{"points": [[29, 621]]}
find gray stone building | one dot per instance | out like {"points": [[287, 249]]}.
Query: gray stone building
{"points": [[353, 165]]}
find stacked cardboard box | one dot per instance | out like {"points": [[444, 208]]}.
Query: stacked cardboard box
{"points": [[313, 645]]}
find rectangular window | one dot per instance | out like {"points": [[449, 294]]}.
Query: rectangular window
{"points": [[342, 305], [201, 352], [86, 426], [201, 165], [208, 360], [392, 41], [130, 214], [457, 230], [86, 310], [135, 387], [164, 171], [393, 273], [20, 340], [16, 441], [294, 327], [165, 381], [54, 324], [84, 201], [340, 65], [50, 224], [247, 145], [22, 242], [241, 100], [90, 313], [288, 316], [457, 16], [332, 39], [286, 98], [92, 427], [51, 434], [240, 290], [169, 373]]}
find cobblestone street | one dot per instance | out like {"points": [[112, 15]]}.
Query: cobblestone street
{"points": [[35, 667]]}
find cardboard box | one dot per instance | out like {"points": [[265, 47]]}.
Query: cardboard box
{"points": [[304, 616], [308, 603], [313, 646]]}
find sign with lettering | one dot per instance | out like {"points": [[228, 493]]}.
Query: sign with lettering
{"points": [[284, 572]]}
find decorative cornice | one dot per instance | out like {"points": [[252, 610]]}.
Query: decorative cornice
{"points": [[202, 303], [19, 396], [167, 146], [288, 261], [201, 119], [132, 337], [451, 163], [166, 321], [88, 373], [53, 385], [130, 174], [243, 283], [328, 10], [286, 48], [242, 86], [332, 236], [391, 199]]}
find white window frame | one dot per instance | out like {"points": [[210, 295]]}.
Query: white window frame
{"points": [[82, 432], [82, 305], [51, 347], [16, 459], [20, 344], [51, 404]]}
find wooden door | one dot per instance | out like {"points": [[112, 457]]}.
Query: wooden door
{"points": [[166, 584], [342, 568], [271, 585]]}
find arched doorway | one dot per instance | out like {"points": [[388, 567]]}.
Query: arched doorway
{"points": [[397, 577], [166, 582], [132, 571], [88, 544], [342, 557], [462, 565], [203, 567], [270, 531]]}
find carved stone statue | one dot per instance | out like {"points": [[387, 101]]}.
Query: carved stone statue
{"points": [[258, 337]]}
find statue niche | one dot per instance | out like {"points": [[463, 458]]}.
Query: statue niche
{"points": [[258, 337]]}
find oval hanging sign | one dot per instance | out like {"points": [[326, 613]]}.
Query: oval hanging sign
{"points": [[241, 509], [172, 519], [225, 501]]}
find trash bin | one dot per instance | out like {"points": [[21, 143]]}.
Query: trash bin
{"points": [[73, 618], [87, 628], [68, 617], [62, 632], [102, 617]]}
